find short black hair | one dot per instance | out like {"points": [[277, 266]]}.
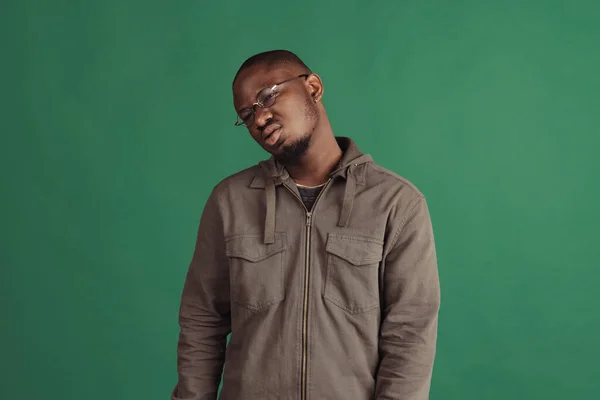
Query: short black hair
{"points": [[273, 58]]}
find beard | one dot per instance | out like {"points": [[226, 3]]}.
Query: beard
{"points": [[292, 153]]}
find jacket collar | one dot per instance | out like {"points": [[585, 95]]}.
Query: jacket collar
{"points": [[352, 156]]}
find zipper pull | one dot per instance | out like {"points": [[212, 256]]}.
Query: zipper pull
{"points": [[308, 217]]}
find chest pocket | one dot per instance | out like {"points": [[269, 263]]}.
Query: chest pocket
{"points": [[352, 281], [256, 270]]}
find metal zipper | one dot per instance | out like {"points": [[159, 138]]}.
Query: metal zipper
{"points": [[309, 215], [305, 305]]}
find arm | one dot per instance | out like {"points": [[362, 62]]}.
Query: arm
{"points": [[411, 299], [204, 314]]}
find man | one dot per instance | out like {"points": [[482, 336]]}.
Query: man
{"points": [[320, 263]]}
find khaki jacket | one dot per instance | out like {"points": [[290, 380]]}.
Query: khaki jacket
{"points": [[337, 303]]}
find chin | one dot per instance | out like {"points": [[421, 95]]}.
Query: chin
{"points": [[291, 152]]}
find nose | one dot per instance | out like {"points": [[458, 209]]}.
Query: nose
{"points": [[262, 116]]}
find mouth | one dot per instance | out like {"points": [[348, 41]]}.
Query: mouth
{"points": [[271, 134]]}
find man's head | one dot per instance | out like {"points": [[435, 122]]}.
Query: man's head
{"points": [[277, 97]]}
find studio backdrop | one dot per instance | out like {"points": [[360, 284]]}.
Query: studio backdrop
{"points": [[117, 121]]}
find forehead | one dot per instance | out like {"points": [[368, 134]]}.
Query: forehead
{"points": [[252, 80]]}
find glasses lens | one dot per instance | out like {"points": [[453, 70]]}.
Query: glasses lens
{"points": [[267, 98]]}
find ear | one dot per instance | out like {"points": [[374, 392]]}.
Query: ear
{"points": [[315, 87]]}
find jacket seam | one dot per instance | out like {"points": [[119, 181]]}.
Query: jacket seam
{"points": [[355, 238], [412, 206]]}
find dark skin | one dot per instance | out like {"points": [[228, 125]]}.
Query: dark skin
{"points": [[298, 114]]}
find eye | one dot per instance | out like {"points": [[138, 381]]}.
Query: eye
{"points": [[245, 115], [269, 98]]}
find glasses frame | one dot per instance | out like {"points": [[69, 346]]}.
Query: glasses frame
{"points": [[240, 122]]}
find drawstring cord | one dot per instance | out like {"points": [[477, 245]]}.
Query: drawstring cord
{"points": [[349, 193], [270, 212], [348, 203]]}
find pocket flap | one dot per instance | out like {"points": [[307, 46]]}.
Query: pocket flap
{"points": [[252, 248], [356, 250]]}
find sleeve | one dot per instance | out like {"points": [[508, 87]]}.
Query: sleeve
{"points": [[411, 301], [204, 314]]}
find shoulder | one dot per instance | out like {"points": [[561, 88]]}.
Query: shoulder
{"points": [[391, 181], [237, 182]]}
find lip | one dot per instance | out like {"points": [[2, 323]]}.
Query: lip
{"points": [[272, 138], [269, 131]]}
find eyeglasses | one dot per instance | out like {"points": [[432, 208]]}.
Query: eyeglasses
{"points": [[264, 99]]}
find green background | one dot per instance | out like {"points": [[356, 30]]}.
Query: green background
{"points": [[117, 121]]}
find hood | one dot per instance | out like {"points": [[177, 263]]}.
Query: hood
{"points": [[351, 167]]}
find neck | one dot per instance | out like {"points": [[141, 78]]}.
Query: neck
{"points": [[320, 158]]}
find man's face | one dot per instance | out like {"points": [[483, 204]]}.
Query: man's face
{"points": [[284, 128]]}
